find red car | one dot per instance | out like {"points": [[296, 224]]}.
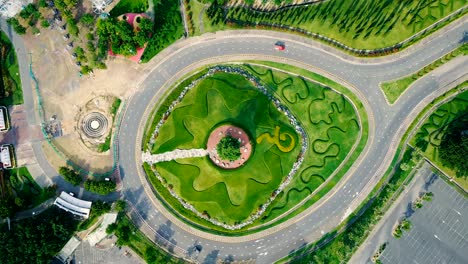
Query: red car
{"points": [[280, 45]]}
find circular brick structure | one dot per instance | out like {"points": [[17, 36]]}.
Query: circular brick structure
{"points": [[235, 132]]}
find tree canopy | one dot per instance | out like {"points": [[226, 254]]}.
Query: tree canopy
{"points": [[100, 187], [36, 239], [123, 38], [228, 148], [453, 150], [70, 175]]}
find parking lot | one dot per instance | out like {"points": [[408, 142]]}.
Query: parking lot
{"points": [[439, 232]]}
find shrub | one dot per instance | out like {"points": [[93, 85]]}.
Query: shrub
{"points": [[87, 20], [45, 23], [70, 175], [100, 187]]}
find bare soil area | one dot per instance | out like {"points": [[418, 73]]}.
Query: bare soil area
{"points": [[65, 93]]}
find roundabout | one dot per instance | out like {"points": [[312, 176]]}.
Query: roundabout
{"points": [[362, 79]]}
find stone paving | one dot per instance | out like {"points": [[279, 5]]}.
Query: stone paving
{"points": [[172, 155]]}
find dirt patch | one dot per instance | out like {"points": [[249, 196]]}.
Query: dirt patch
{"points": [[65, 94]]}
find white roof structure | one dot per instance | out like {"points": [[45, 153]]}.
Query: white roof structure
{"points": [[73, 205], [68, 249], [5, 157], [2, 118]]}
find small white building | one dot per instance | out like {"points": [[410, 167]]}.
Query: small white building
{"points": [[4, 126], [5, 157], [73, 205]]}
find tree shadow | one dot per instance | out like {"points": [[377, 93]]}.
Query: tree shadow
{"points": [[211, 258], [409, 210], [430, 181], [229, 259], [164, 234]]}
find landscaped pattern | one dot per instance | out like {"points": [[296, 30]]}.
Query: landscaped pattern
{"points": [[227, 196], [332, 128], [429, 136], [326, 122]]}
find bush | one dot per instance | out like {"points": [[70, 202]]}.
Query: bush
{"points": [[17, 27], [228, 148], [70, 175], [45, 23], [101, 187], [72, 27], [120, 205], [87, 20]]}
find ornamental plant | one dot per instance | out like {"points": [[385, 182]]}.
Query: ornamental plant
{"points": [[228, 148]]}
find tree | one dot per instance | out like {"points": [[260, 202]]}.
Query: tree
{"points": [[17, 27], [228, 148], [111, 228], [99, 207], [42, 3], [72, 27], [45, 23], [453, 148], [6, 208], [120, 205], [19, 202], [100, 187], [70, 175], [87, 20]]}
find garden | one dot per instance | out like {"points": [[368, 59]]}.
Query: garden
{"points": [[300, 131], [442, 140], [358, 24]]}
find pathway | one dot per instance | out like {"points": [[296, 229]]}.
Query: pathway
{"points": [[173, 155]]}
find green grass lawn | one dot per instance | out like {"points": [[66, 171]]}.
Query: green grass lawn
{"points": [[394, 89], [430, 133], [329, 119], [129, 6], [332, 127], [26, 188], [225, 98], [360, 24], [11, 81]]}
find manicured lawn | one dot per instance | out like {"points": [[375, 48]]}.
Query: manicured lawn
{"points": [[430, 133], [328, 117], [360, 24], [26, 187], [129, 6], [9, 73], [394, 89], [332, 127], [225, 98]]}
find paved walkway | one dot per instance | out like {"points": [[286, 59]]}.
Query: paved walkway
{"points": [[173, 155]]}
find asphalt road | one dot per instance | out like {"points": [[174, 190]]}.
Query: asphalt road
{"points": [[390, 123], [387, 123]]}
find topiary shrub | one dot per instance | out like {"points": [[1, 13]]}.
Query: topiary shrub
{"points": [[228, 148]]}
